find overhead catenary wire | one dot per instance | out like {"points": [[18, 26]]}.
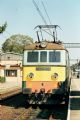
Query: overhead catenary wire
{"points": [[54, 34], [40, 13], [35, 4], [46, 12], [47, 15]]}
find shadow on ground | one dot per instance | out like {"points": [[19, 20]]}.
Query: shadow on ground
{"points": [[15, 101], [58, 112]]}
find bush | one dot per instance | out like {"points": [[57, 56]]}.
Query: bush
{"points": [[2, 79]]}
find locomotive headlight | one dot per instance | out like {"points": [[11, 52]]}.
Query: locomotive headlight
{"points": [[30, 75], [54, 76], [43, 44]]}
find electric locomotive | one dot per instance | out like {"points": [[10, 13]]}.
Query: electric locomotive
{"points": [[45, 69]]}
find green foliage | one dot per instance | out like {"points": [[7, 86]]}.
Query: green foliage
{"points": [[75, 66], [3, 27], [16, 43], [2, 79]]}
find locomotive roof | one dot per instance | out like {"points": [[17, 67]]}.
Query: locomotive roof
{"points": [[49, 46]]}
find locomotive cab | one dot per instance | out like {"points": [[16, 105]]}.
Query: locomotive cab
{"points": [[46, 69]]}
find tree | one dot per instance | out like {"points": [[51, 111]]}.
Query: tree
{"points": [[3, 27], [16, 43]]}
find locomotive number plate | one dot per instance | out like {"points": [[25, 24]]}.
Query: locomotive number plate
{"points": [[43, 68]]}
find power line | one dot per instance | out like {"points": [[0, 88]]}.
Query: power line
{"points": [[46, 13], [47, 16], [35, 4], [40, 13]]}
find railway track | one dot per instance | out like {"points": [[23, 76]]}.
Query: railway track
{"points": [[15, 108]]}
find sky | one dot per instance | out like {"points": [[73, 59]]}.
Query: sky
{"points": [[22, 16]]}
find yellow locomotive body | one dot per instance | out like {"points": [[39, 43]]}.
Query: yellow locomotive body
{"points": [[45, 69]]}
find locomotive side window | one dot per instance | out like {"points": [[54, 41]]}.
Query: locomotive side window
{"points": [[43, 56], [32, 57], [54, 56]]}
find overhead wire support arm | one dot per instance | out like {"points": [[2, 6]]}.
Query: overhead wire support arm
{"points": [[38, 37], [47, 26], [41, 33], [41, 27]]}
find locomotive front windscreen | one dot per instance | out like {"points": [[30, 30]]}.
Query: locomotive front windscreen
{"points": [[54, 56], [32, 57], [43, 56]]}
